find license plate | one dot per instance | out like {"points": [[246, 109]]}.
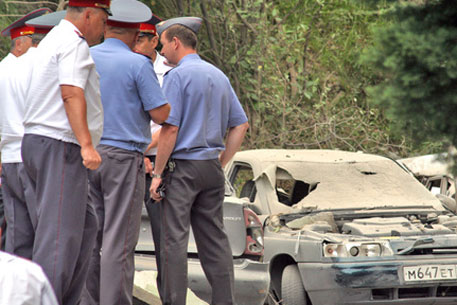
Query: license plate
{"points": [[429, 273]]}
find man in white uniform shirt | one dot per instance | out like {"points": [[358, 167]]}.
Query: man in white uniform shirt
{"points": [[146, 45], [23, 282], [63, 122], [21, 41]]}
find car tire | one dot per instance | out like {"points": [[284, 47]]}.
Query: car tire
{"points": [[292, 289]]}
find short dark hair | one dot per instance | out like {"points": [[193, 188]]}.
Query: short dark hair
{"points": [[184, 34], [149, 36]]}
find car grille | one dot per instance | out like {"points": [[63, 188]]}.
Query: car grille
{"points": [[434, 251], [414, 292]]}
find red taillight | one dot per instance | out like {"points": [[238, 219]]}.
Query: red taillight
{"points": [[254, 233]]}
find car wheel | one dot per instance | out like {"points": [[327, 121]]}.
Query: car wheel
{"points": [[292, 289]]}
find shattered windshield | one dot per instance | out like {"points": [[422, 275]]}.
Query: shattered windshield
{"points": [[327, 185]]}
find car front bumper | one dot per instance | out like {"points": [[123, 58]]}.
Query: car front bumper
{"points": [[375, 282], [252, 278]]}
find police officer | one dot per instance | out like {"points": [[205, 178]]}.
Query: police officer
{"points": [[21, 41], [146, 44], [203, 107], [131, 96], [62, 122]]}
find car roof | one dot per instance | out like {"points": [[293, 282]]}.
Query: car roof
{"points": [[310, 155], [428, 165], [343, 179]]}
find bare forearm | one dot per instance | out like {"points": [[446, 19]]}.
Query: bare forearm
{"points": [[160, 114], [75, 107], [154, 140], [167, 141], [235, 137]]}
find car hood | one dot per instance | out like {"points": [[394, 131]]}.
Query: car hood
{"points": [[337, 225], [351, 184]]}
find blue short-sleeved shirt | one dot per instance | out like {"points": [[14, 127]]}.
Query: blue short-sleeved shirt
{"points": [[203, 106], [129, 89]]}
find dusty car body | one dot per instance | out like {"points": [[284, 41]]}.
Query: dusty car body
{"points": [[348, 228], [434, 171], [245, 233]]}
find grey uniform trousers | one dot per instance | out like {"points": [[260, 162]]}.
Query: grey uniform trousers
{"points": [[2, 223], [20, 210], [194, 196], [116, 190], [66, 224]]}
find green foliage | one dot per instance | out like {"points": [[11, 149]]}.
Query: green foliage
{"points": [[10, 11], [295, 66], [417, 58]]}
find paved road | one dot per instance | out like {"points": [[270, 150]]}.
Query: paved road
{"points": [[145, 290]]}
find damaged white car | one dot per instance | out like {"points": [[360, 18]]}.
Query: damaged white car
{"points": [[347, 228]]}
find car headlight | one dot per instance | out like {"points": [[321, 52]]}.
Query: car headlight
{"points": [[357, 249]]}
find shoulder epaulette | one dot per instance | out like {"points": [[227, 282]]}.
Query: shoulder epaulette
{"points": [[80, 35]]}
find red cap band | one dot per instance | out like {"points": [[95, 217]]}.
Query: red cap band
{"points": [[148, 28], [21, 31], [89, 3], [119, 24]]}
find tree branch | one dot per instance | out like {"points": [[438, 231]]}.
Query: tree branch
{"points": [[243, 20], [305, 48], [293, 10], [209, 29], [30, 3]]}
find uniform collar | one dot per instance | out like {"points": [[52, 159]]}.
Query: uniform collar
{"points": [[68, 24], [117, 43], [189, 57]]}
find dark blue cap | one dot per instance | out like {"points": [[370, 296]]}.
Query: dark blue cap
{"points": [[192, 23]]}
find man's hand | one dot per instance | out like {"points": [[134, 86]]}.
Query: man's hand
{"points": [[153, 190], [148, 166], [91, 157]]}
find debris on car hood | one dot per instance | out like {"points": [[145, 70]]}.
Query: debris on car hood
{"points": [[320, 222], [346, 183]]}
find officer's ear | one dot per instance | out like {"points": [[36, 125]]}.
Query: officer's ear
{"points": [[176, 42]]}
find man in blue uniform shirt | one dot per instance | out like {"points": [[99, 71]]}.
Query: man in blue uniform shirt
{"points": [[204, 107], [131, 96]]}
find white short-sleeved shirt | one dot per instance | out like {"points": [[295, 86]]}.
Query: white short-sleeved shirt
{"points": [[62, 58], [10, 121], [160, 69], [23, 282], [154, 128]]}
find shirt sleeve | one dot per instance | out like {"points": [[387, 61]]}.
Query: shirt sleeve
{"points": [[237, 116], [74, 64], [149, 90], [173, 93]]}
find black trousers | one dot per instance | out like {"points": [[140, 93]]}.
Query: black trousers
{"points": [[153, 209]]}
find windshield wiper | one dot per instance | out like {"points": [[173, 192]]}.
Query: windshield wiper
{"points": [[418, 242]]}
